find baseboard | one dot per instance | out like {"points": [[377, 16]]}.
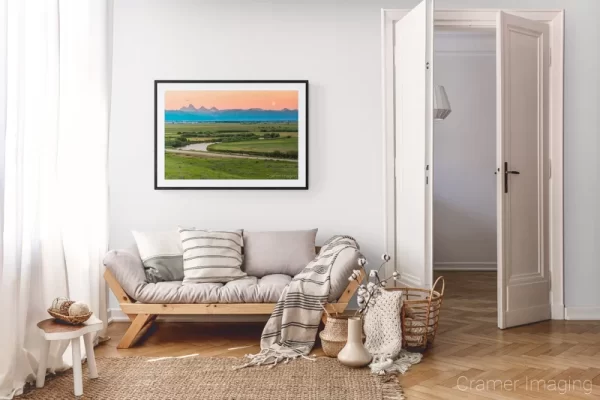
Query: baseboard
{"points": [[109, 316], [557, 311], [116, 315], [465, 266], [409, 280], [589, 313]]}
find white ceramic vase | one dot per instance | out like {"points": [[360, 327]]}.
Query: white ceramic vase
{"points": [[354, 354]]}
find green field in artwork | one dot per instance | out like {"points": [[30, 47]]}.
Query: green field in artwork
{"points": [[286, 128], [277, 148], [231, 150], [179, 166]]}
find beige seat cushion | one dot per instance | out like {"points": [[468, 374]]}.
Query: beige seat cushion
{"points": [[244, 290]]}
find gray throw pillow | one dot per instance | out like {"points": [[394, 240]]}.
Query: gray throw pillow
{"points": [[161, 254], [267, 253]]}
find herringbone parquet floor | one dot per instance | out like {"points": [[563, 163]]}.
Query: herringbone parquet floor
{"points": [[471, 358]]}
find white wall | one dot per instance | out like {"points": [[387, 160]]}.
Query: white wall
{"points": [[464, 185], [336, 50], [336, 46]]}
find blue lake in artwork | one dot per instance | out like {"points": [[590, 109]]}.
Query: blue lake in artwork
{"points": [[214, 115]]}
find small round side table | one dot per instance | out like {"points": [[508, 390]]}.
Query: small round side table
{"points": [[52, 330]]}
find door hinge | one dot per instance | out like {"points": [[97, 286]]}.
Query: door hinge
{"points": [[427, 65], [427, 174], [550, 56], [549, 169]]}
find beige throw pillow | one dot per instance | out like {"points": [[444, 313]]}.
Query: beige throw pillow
{"points": [[211, 256], [267, 253]]}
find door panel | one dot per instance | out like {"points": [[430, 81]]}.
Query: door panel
{"points": [[523, 125], [413, 64]]}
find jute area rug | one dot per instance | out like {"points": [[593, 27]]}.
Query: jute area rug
{"points": [[214, 378]]}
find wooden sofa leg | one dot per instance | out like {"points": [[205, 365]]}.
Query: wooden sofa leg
{"points": [[138, 327]]}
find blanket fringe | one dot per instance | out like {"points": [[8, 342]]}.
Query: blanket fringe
{"points": [[382, 365], [271, 357]]}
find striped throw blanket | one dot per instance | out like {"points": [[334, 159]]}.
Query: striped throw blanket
{"points": [[290, 331]]}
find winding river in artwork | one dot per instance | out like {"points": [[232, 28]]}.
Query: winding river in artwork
{"points": [[197, 146], [201, 149]]}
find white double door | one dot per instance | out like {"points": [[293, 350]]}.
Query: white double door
{"points": [[522, 160]]}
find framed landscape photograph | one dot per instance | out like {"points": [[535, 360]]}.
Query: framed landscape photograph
{"points": [[231, 134]]}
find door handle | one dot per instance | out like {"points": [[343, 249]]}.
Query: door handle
{"points": [[506, 172]]}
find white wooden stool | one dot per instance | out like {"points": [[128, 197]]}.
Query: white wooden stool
{"points": [[52, 330]]}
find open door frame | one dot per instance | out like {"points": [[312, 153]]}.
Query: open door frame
{"points": [[414, 139], [485, 18]]}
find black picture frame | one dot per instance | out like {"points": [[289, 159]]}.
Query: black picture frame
{"points": [[304, 186]]}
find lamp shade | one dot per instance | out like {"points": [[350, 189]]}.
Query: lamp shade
{"points": [[441, 105]]}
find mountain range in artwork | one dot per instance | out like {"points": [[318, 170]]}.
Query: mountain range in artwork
{"points": [[190, 113]]}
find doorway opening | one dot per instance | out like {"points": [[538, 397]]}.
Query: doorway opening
{"points": [[529, 160], [464, 166]]}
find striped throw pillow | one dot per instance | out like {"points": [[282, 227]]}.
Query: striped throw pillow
{"points": [[211, 256]]}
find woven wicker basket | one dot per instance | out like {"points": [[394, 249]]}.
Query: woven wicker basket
{"points": [[73, 320], [335, 335], [331, 348], [420, 314]]}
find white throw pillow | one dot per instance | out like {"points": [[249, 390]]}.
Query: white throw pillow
{"points": [[211, 256], [161, 254]]}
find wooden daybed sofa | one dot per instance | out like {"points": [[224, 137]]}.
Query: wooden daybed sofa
{"points": [[143, 302]]}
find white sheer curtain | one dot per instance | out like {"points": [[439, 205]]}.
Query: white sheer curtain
{"points": [[55, 58]]}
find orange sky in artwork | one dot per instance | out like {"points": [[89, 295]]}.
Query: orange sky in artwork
{"points": [[230, 99]]}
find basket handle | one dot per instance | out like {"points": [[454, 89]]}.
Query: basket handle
{"points": [[435, 284]]}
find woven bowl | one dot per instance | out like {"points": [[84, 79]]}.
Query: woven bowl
{"points": [[69, 319]]}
